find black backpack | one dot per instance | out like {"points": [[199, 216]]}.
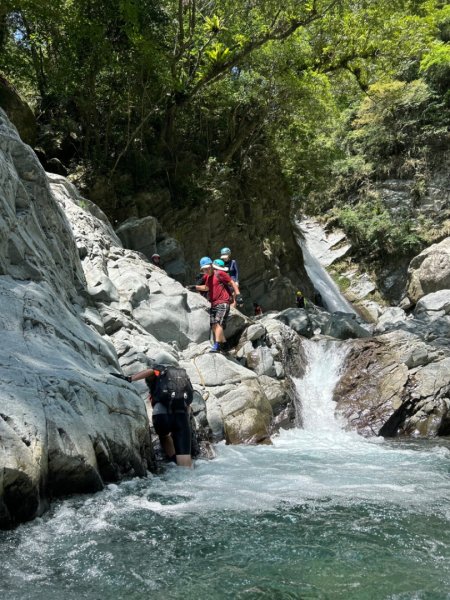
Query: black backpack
{"points": [[171, 386]]}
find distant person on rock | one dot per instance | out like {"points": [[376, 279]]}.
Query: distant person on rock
{"points": [[230, 264], [222, 293], [171, 395], [156, 260], [300, 299], [257, 309], [318, 299]]}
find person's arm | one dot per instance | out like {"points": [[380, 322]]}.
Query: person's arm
{"points": [[142, 374], [236, 268], [199, 287], [235, 287]]}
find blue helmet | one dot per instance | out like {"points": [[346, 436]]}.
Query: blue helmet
{"points": [[205, 262], [219, 265], [225, 251]]}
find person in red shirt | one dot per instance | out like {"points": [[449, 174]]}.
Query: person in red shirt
{"points": [[222, 292]]}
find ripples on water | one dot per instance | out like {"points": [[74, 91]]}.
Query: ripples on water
{"points": [[322, 513], [306, 518]]}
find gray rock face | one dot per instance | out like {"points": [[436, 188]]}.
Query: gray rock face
{"points": [[314, 322], [429, 271], [143, 311], [65, 424], [436, 304], [395, 384], [146, 236], [76, 305]]}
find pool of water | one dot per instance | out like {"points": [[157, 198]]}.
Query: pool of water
{"points": [[322, 513], [309, 517]]}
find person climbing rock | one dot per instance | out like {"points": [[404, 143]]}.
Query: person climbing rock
{"points": [[300, 299], [222, 292], [219, 265], [171, 395], [156, 260], [230, 264]]}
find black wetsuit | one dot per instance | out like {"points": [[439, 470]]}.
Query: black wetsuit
{"points": [[175, 423], [172, 418]]}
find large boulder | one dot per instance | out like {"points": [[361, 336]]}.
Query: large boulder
{"points": [[395, 384], [18, 112], [308, 322], [146, 236], [429, 271], [436, 304], [139, 234]]}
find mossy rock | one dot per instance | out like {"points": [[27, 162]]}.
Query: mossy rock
{"points": [[18, 112]]}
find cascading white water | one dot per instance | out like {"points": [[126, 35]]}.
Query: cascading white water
{"points": [[332, 298], [315, 390]]}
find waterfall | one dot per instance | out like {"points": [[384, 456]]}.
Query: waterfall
{"points": [[315, 390], [332, 298]]}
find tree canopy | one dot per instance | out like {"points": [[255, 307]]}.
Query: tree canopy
{"points": [[148, 91]]}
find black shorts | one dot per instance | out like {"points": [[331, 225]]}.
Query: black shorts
{"points": [[177, 424], [219, 314]]}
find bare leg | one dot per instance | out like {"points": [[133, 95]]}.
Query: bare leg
{"points": [[167, 445], [184, 460], [219, 335]]}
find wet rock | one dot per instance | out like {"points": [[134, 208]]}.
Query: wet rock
{"points": [[388, 380], [247, 414]]}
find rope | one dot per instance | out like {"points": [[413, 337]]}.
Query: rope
{"points": [[202, 379]]}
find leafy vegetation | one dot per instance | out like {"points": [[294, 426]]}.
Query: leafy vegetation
{"points": [[189, 95]]}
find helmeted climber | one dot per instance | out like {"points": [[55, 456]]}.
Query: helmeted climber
{"points": [[230, 264], [222, 293], [171, 395], [300, 299]]}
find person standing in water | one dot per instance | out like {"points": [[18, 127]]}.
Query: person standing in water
{"points": [[171, 395]]}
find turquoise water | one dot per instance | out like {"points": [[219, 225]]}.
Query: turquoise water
{"points": [[307, 518], [323, 513]]}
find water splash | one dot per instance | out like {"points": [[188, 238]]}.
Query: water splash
{"points": [[315, 390]]}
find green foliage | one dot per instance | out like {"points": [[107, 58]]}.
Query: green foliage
{"points": [[388, 117], [377, 232], [158, 91], [435, 66]]}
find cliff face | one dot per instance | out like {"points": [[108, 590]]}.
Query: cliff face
{"points": [[64, 425], [251, 214]]}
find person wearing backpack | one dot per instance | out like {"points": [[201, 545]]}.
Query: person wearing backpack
{"points": [[230, 264], [171, 395], [222, 292]]}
